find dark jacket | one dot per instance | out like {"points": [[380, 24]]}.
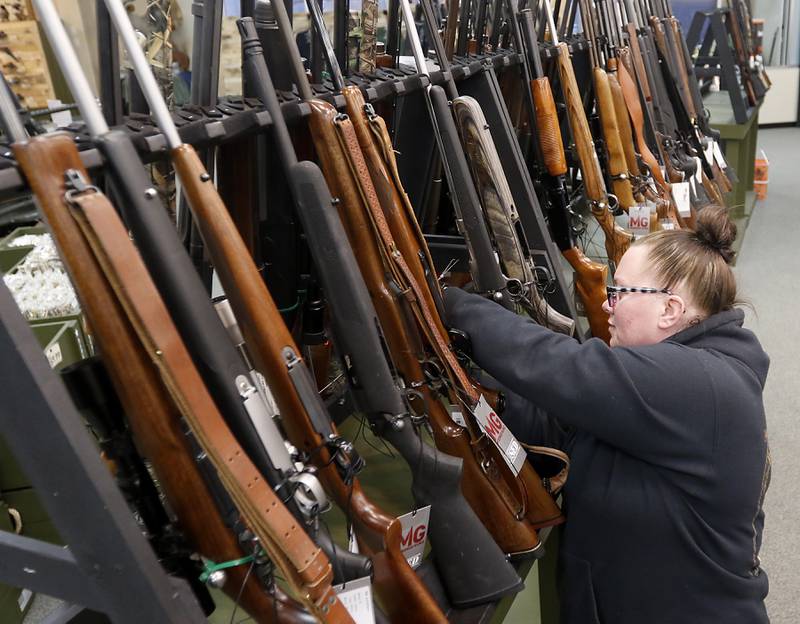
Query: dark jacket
{"points": [[669, 462]]}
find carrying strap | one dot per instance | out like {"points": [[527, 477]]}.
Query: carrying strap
{"points": [[556, 483], [307, 569]]}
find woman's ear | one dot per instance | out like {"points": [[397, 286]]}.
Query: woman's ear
{"points": [[673, 314]]}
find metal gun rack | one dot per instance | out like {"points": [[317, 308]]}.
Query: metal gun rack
{"points": [[715, 58]]}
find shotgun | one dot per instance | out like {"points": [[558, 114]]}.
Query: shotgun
{"points": [[590, 277], [230, 382], [55, 174], [309, 428], [453, 527], [617, 240]]}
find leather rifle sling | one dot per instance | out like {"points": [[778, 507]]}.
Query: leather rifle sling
{"points": [[307, 569]]}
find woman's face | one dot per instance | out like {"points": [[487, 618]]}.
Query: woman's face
{"points": [[638, 318]]}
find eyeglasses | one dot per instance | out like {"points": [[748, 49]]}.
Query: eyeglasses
{"points": [[613, 292]]}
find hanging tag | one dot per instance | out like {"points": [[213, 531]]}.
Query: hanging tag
{"points": [[719, 157], [60, 119], [53, 355], [639, 219], [503, 439], [356, 596], [457, 415], [709, 152], [698, 174], [352, 542], [666, 224], [415, 534], [680, 193]]}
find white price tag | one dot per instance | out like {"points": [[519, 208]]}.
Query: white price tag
{"points": [[24, 598], [457, 415], [53, 355], [639, 219], [709, 152], [680, 192], [698, 174], [356, 596], [719, 157], [503, 439], [415, 534], [666, 224], [61, 118]]}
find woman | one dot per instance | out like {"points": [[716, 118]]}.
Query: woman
{"points": [[669, 454]]}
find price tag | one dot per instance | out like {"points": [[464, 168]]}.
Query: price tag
{"points": [[680, 192], [53, 355], [719, 157], [497, 432], [698, 174], [356, 596], [415, 534], [709, 152], [639, 219], [666, 224], [24, 598], [457, 415], [60, 119]]}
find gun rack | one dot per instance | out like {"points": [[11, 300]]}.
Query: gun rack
{"points": [[715, 58], [107, 566]]}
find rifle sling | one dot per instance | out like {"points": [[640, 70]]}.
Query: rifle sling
{"points": [[307, 569], [349, 144]]}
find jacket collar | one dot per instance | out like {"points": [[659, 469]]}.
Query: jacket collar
{"points": [[708, 325]]}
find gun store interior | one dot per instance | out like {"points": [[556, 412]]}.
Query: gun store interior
{"points": [[416, 311]]}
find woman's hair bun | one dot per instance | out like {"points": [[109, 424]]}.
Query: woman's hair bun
{"points": [[715, 230]]}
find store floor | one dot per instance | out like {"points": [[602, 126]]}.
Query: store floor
{"points": [[768, 270]]}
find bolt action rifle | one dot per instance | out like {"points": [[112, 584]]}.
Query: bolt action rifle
{"points": [[617, 240]]}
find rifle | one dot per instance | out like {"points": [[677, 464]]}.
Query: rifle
{"points": [[590, 277], [616, 162], [488, 488], [453, 527], [55, 173], [617, 240], [91, 390]]}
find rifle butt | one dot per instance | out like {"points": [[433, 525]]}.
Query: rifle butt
{"points": [[590, 282], [471, 565]]}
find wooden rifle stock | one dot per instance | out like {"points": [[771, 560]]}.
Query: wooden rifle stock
{"points": [[617, 165], [623, 121], [591, 279], [152, 412], [617, 239]]}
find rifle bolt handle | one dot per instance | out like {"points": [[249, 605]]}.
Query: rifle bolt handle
{"points": [[151, 193]]}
